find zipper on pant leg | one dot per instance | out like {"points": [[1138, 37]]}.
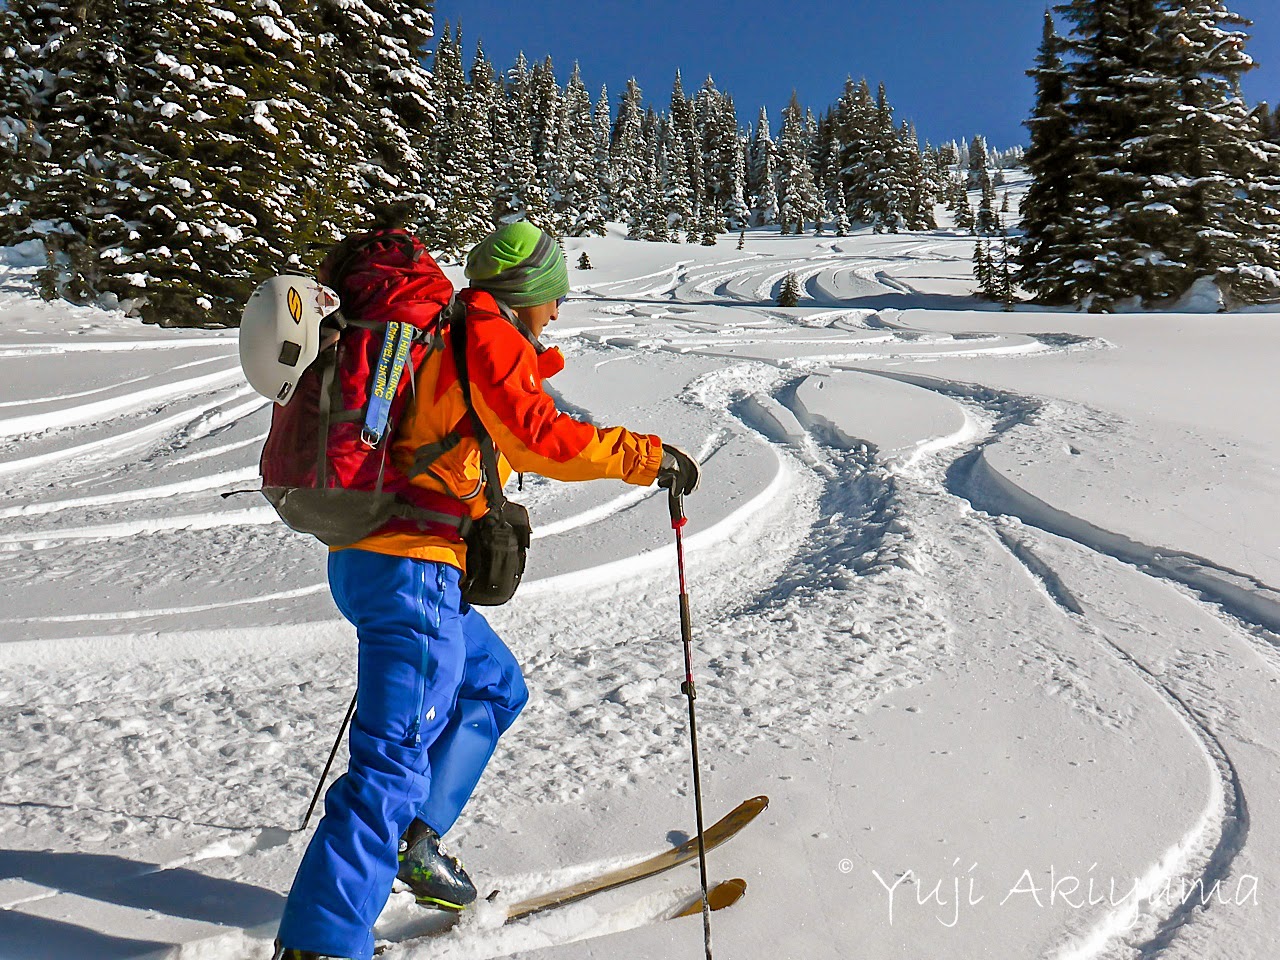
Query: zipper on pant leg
{"points": [[415, 731]]}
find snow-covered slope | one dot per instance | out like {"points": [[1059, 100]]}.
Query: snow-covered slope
{"points": [[986, 602]]}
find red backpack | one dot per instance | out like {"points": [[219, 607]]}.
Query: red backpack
{"points": [[326, 465]]}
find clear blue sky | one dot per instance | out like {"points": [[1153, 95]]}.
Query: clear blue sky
{"points": [[954, 67]]}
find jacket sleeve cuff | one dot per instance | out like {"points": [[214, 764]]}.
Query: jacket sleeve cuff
{"points": [[648, 469]]}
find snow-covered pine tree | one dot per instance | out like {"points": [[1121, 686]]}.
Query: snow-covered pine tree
{"points": [[450, 166], [958, 204], [473, 141], [738, 213], [988, 223], [379, 95], [26, 89], [488, 101], [653, 212], [920, 186], [678, 193], [714, 115], [764, 199], [935, 173], [75, 204], [1212, 150], [580, 186], [1003, 270], [1052, 162], [521, 194], [626, 155], [979, 161], [832, 192], [789, 293], [602, 128], [982, 267], [227, 144], [949, 155], [888, 190], [1112, 245], [546, 144], [799, 193], [855, 129], [685, 126]]}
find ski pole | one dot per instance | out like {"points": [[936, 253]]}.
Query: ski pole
{"points": [[329, 763], [678, 521]]}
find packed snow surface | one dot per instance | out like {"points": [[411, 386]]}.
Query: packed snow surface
{"points": [[987, 603]]}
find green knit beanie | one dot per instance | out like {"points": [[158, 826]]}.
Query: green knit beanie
{"points": [[520, 265]]}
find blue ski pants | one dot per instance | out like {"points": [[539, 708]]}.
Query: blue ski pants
{"points": [[435, 691]]}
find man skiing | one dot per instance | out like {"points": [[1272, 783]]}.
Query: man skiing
{"points": [[436, 686]]}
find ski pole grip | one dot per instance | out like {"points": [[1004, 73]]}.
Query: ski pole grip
{"points": [[676, 502]]}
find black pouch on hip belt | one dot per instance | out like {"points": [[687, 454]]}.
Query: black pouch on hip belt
{"points": [[496, 543]]}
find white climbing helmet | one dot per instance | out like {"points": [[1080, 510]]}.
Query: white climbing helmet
{"points": [[280, 333]]}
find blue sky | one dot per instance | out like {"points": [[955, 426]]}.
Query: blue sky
{"points": [[955, 67]]}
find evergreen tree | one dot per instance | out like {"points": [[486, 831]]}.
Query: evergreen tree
{"points": [[473, 140], [888, 189], [979, 161], [764, 199], [799, 201], [1004, 285], [855, 128], [228, 173], [521, 194], [685, 129], [1211, 147], [377, 95], [603, 124], [488, 101], [988, 220], [546, 145], [577, 154], [982, 267], [958, 204], [627, 155], [920, 186], [678, 192], [1121, 95], [789, 294], [450, 165], [584, 262], [24, 28], [1053, 163]]}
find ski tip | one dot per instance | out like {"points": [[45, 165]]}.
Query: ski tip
{"points": [[727, 893], [724, 894]]}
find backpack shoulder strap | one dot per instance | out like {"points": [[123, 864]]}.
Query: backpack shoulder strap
{"points": [[488, 453]]}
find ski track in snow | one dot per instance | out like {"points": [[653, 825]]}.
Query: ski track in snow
{"points": [[196, 749]]}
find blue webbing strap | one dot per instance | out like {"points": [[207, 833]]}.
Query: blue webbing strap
{"points": [[391, 364]]}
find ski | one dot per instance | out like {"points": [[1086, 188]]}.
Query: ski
{"points": [[717, 834], [724, 894]]}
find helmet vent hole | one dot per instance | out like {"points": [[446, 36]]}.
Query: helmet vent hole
{"points": [[290, 352]]}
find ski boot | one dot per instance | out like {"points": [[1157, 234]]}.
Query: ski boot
{"points": [[433, 876], [284, 953]]}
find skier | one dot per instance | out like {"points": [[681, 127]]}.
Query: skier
{"points": [[436, 686]]}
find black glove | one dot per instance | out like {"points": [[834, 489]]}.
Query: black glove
{"points": [[679, 472]]}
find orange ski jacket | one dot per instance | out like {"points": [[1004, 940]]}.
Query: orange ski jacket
{"points": [[506, 371]]}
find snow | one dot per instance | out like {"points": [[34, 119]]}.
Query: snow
{"points": [[985, 602]]}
